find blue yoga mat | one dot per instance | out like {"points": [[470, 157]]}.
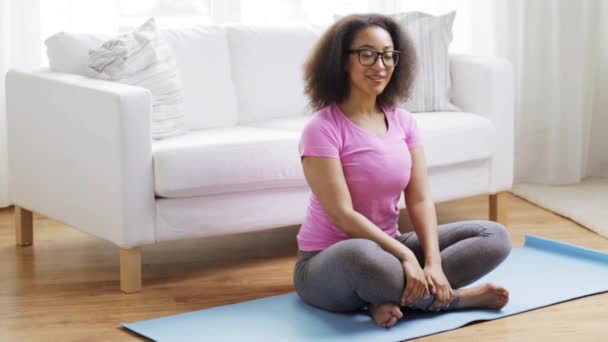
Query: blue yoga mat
{"points": [[541, 273]]}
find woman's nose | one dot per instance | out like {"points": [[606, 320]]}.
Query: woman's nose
{"points": [[379, 64]]}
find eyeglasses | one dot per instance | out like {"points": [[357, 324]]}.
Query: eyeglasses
{"points": [[369, 57]]}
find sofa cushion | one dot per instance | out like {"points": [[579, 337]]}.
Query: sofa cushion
{"points": [[224, 160], [203, 60], [455, 137], [264, 155], [293, 123], [143, 58], [203, 63], [431, 36], [448, 137], [268, 68]]}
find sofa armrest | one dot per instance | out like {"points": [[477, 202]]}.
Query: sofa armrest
{"points": [[80, 153], [484, 86]]}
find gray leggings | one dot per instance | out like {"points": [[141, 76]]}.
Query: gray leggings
{"points": [[348, 275]]}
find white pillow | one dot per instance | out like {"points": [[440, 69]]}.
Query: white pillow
{"points": [[142, 58], [68, 52], [431, 36], [210, 99]]}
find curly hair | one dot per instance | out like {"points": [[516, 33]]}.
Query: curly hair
{"points": [[327, 82]]}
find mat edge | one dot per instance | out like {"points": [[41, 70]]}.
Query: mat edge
{"points": [[534, 241]]}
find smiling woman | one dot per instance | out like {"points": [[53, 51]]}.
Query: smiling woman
{"points": [[359, 152], [326, 76]]}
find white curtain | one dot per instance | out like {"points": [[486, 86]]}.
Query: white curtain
{"points": [[19, 48], [559, 49]]}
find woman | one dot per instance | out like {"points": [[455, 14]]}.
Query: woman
{"points": [[358, 152]]}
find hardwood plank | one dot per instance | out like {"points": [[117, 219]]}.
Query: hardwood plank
{"points": [[67, 286]]}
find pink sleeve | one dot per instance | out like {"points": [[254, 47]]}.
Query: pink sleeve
{"points": [[410, 127], [319, 139]]}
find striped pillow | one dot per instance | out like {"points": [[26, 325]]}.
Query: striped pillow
{"points": [[431, 36], [142, 58]]}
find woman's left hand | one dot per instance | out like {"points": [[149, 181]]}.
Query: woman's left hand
{"points": [[438, 286]]}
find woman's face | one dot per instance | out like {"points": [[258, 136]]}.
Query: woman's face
{"points": [[372, 79]]}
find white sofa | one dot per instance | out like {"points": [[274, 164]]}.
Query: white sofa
{"points": [[80, 150]]}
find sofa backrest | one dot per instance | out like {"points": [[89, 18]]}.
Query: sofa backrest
{"points": [[231, 74], [203, 61], [267, 68]]}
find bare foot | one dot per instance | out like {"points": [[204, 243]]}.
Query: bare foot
{"points": [[484, 296], [385, 315]]}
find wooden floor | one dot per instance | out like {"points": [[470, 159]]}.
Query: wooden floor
{"points": [[66, 286]]}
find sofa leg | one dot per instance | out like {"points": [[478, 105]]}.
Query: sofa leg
{"points": [[24, 226], [498, 208], [130, 269]]}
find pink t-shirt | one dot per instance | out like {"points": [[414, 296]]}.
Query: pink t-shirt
{"points": [[377, 170]]}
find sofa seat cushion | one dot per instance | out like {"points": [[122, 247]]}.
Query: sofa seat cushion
{"points": [[448, 137], [264, 155], [226, 160], [455, 137]]}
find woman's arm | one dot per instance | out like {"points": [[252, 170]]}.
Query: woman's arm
{"points": [[326, 179], [421, 208]]}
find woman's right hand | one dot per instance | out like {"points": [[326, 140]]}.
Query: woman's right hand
{"points": [[416, 286]]}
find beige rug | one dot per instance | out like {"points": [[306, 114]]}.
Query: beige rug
{"points": [[585, 203]]}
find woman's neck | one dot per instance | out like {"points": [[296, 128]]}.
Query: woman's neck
{"points": [[360, 106]]}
